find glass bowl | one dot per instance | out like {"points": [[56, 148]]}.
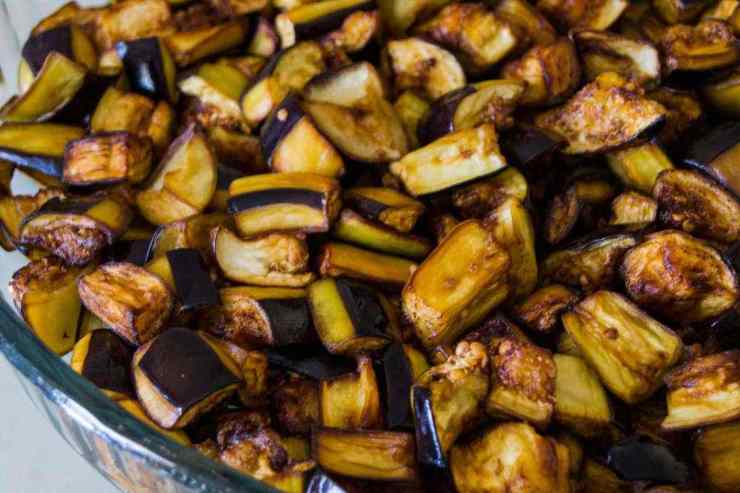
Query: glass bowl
{"points": [[131, 455]]}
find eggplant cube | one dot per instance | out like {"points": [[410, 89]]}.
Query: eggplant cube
{"points": [[581, 402], [104, 358], [352, 400], [107, 158], [541, 310], [150, 67], [385, 205], [710, 44], [193, 283], [316, 18], [343, 260], [605, 52], [716, 449]]}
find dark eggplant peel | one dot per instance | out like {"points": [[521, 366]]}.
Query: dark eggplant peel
{"points": [[349, 246]]}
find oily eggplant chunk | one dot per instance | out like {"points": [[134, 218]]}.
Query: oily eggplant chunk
{"points": [[679, 277], [715, 153], [349, 317], [397, 369], [676, 11], [353, 228], [129, 20], [291, 142], [638, 166], [365, 454], [463, 279], [581, 403], [183, 183], [315, 19], [541, 310], [129, 299], [194, 232], [689, 201], [179, 376], [295, 405], [45, 292], [149, 67], [352, 400], [15, 208], [235, 8], [629, 350], [550, 72], [275, 259], [528, 23], [104, 358], [598, 15], [343, 260], [488, 101], [217, 88], [525, 146], [710, 44], [704, 391], [193, 285], [385, 205], [633, 208], [602, 52], [134, 408], [411, 108], [188, 47], [67, 40], [316, 364], [257, 316], [606, 113], [37, 146], [637, 459], [721, 93], [413, 63], [107, 158], [298, 202], [473, 32], [479, 198], [76, 230], [357, 31], [684, 110], [456, 158], [715, 454], [510, 457]]}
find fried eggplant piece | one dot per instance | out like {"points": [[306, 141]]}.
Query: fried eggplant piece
{"points": [[37, 147], [715, 454], [473, 32], [194, 287], [236, 150], [218, 88], [413, 63], [602, 52], [590, 264], [551, 72], [365, 454], [411, 109], [45, 293], [107, 158], [606, 113], [598, 15], [235, 8], [104, 358], [343, 260], [132, 19], [581, 403], [676, 11], [541, 310], [353, 400], [295, 405], [638, 167], [629, 350], [353, 228], [356, 32], [530, 26], [194, 232], [191, 46], [510, 457], [722, 93], [714, 153], [276, 259], [179, 376], [695, 204], [301, 202], [386, 206], [133, 407], [68, 40], [318, 18], [453, 159], [683, 108], [633, 208], [400, 16], [463, 279], [319, 364], [639, 459], [149, 67], [399, 366], [679, 277], [184, 182], [479, 198], [76, 230], [15, 208], [710, 44], [704, 391]]}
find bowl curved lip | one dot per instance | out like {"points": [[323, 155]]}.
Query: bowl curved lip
{"points": [[94, 410]]}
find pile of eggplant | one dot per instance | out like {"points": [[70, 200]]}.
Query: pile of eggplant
{"points": [[394, 245]]}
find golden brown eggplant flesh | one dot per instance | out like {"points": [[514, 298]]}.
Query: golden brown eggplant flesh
{"points": [[581, 403], [715, 454], [37, 147], [633, 208], [541, 310], [353, 228], [317, 18], [352, 400], [710, 44], [606, 52], [102, 159], [386, 206], [343, 260], [295, 405]]}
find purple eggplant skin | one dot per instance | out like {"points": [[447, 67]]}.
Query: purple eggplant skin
{"points": [[144, 67], [290, 321], [262, 198], [366, 207], [108, 362], [363, 306], [429, 453], [80, 109], [701, 151], [38, 47], [137, 252], [526, 145], [48, 165], [279, 124], [395, 381], [310, 361], [638, 459], [227, 174], [330, 21], [193, 284], [439, 119], [184, 368]]}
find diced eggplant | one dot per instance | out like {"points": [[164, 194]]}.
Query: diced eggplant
{"points": [[397, 370], [633, 208], [606, 113], [317, 363], [550, 72], [607, 52], [589, 265], [68, 40], [133, 407], [411, 109], [629, 350], [710, 44], [69, 13], [105, 359], [354, 228], [291, 143], [510, 457], [541, 310], [276, 259], [385, 205], [191, 46], [722, 93], [581, 403], [453, 159], [714, 153], [303, 202], [218, 88], [184, 182], [265, 41], [355, 34], [349, 317], [14, 209], [479, 198], [180, 375], [343, 260], [489, 101], [76, 230], [353, 400], [431, 458], [530, 26], [679, 277], [149, 67], [704, 391], [597, 477], [45, 292], [316, 18], [463, 279], [399, 16], [266, 316], [683, 108], [194, 232], [37, 146], [636, 459], [102, 159], [676, 11], [598, 15], [715, 454], [295, 405], [236, 150], [376, 455], [638, 167], [193, 285], [132, 19], [133, 302], [235, 8], [413, 63]]}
